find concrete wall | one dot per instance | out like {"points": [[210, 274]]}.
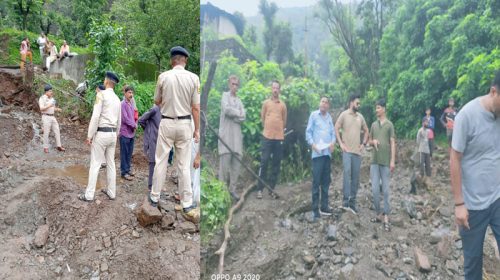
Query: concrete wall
{"points": [[71, 68], [226, 27]]}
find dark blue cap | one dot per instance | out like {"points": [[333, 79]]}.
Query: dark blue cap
{"points": [[47, 87], [112, 76], [178, 51], [101, 87]]}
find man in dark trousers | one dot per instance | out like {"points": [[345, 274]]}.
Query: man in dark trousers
{"points": [[475, 176], [273, 116]]}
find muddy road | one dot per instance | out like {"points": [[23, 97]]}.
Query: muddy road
{"points": [[277, 239], [98, 240]]}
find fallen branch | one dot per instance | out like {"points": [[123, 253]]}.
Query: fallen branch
{"points": [[222, 250]]}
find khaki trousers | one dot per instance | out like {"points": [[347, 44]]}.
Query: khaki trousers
{"points": [[102, 150], [50, 123], [178, 134], [229, 170]]}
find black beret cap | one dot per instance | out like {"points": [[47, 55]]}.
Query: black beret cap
{"points": [[101, 87], [178, 50], [112, 76], [47, 87]]}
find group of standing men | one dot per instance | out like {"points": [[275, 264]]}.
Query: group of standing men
{"points": [[473, 134], [168, 125]]}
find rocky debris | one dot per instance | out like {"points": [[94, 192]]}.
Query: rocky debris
{"points": [[347, 269], [309, 260], [410, 208], [452, 267], [331, 233], [421, 260], [104, 267], [349, 251], [135, 234], [41, 236], [107, 242], [187, 227], [287, 223], [167, 222], [147, 214]]}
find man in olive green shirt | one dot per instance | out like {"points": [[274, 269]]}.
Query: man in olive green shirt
{"points": [[382, 138]]}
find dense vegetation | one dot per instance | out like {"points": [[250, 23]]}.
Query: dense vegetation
{"points": [[119, 33]]}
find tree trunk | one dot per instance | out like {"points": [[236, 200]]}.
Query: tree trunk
{"points": [[204, 101]]}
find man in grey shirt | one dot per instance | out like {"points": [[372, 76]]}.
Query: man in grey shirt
{"points": [[231, 116], [475, 175]]}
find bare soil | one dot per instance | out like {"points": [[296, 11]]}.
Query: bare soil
{"points": [[98, 240], [276, 239]]}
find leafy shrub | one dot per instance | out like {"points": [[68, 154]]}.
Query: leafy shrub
{"points": [[215, 203]]}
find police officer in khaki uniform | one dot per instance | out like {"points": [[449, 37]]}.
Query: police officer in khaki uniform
{"points": [[47, 105], [177, 94], [102, 134]]}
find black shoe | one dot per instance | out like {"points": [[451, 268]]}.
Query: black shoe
{"points": [[326, 211]]}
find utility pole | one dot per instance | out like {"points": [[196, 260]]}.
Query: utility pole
{"points": [[305, 48]]}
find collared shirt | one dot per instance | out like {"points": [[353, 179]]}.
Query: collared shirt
{"points": [[321, 132], [128, 126], [106, 113], [150, 121], [41, 42], [351, 124], [476, 135], [382, 132], [231, 116], [273, 115], [178, 90], [45, 101]]}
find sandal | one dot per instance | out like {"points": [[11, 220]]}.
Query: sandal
{"points": [[375, 220], [81, 196]]}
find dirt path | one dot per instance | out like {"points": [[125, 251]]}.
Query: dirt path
{"points": [[99, 240], [276, 239]]}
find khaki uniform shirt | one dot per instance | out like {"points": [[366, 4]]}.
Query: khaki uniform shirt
{"points": [[178, 89], [106, 113], [43, 102], [231, 115], [351, 125], [273, 117]]}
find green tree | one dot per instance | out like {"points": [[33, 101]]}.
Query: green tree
{"points": [[106, 43]]}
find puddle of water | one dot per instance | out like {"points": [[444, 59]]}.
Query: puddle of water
{"points": [[79, 173]]}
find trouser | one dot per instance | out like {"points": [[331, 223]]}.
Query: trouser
{"points": [[126, 150], [23, 58], [473, 238], [229, 170], [102, 150], [321, 169], [270, 149], [49, 60], [174, 133], [50, 123], [380, 174], [352, 165], [150, 176], [431, 146], [425, 164]]}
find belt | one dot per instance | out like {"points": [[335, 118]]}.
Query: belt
{"points": [[188, 117], [106, 129], [48, 114]]}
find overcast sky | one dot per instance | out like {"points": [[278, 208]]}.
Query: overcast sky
{"points": [[251, 7]]}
